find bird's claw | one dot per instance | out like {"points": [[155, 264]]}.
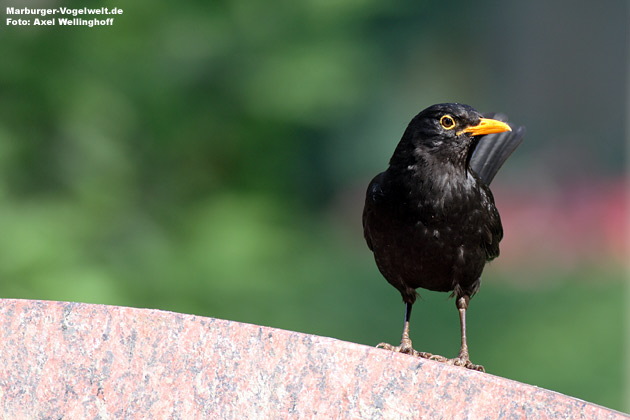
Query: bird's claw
{"points": [[436, 357], [464, 362], [405, 349]]}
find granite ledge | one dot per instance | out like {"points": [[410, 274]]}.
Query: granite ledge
{"points": [[83, 361]]}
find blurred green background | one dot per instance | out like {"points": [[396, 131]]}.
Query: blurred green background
{"points": [[211, 158]]}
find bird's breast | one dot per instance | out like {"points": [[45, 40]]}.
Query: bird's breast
{"points": [[444, 200]]}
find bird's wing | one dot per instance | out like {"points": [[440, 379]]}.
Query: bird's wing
{"points": [[494, 149], [492, 224], [373, 196]]}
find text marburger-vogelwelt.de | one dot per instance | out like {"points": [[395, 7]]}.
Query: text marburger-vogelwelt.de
{"points": [[47, 19]]}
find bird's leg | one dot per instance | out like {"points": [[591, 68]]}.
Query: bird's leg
{"points": [[405, 342], [464, 358], [406, 346]]}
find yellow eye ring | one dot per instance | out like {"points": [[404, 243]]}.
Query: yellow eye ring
{"points": [[447, 122]]}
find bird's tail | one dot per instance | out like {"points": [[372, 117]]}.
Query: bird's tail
{"points": [[494, 149]]}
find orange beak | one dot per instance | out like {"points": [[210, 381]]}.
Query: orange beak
{"points": [[487, 126]]}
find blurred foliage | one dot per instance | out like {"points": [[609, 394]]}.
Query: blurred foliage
{"points": [[210, 157]]}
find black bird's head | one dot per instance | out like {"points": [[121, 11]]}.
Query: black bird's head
{"points": [[445, 132]]}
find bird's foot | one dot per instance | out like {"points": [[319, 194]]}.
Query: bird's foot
{"points": [[465, 362], [404, 348], [435, 357]]}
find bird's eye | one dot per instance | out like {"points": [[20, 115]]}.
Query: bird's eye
{"points": [[447, 122]]}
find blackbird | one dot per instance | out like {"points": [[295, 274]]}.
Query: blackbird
{"points": [[430, 218]]}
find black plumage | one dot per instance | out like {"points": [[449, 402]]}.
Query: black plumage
{"points": [[430, 218], [490, 154]]}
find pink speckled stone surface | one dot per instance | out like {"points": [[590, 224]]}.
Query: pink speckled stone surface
{"points": [[79, 361]]}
